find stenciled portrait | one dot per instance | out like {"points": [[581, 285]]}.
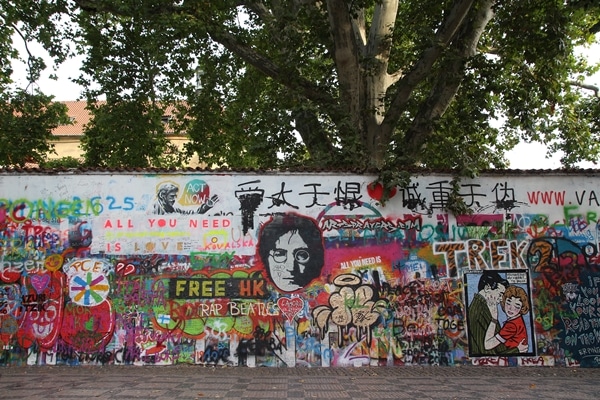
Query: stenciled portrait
{"points": [[291, 249]]}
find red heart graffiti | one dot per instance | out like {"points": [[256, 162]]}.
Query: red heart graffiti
{"points": [[290, 307], [125, 269], [375, 191], [42, 325], [88, 332]]}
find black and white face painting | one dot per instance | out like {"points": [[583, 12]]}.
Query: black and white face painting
{"points": [[288, 261], [292, 251]]}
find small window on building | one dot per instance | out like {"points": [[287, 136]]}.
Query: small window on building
{"points": [[166, 119]]}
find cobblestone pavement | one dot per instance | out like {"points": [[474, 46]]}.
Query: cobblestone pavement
{"points": [[196, 383]]}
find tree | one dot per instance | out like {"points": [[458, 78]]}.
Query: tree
{"points": [[26, 123], [60, 163], [382, 84], [128, 134], [27, 116]]}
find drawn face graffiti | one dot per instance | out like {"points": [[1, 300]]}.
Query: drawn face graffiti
{"points": [[166, 196], [493, 296], [171, 197], [291, 250], [512, 307], [287, 261]]}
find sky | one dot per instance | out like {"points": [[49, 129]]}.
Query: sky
{"points": [[523, 156]]}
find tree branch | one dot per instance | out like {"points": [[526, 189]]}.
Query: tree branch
{"points": [[247, 53], [345, 55], [422, 67], [270, 69], [259, 8], [359, 27], [33, 72], [449, 79], [378, 80], [313, 136], [382, 27], [593, 88]]}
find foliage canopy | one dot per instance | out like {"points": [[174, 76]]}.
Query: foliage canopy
{"points": [[26, 122], [383, 84]]}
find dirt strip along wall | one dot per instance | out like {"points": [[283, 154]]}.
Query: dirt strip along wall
{"points": [[298, 270]]}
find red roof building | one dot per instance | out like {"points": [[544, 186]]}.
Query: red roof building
{"points": [[67, 138]]}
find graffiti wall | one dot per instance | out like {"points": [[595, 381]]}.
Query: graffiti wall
{"points": [[297, 270]]}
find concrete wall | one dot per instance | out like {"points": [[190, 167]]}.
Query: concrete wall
{"points": [[295, 270]]}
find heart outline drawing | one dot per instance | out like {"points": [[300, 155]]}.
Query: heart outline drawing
{"points": [[290, 307]]}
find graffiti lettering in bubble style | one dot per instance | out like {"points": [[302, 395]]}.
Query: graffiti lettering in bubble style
{"points": [[477, 254], [298, 269]]}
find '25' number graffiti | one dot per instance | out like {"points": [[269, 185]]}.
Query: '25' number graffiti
{"points": [[113, 204]]}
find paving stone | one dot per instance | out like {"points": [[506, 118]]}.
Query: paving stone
{"points": [[198, 383]]}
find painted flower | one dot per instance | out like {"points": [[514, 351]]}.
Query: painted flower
{"points": [[88, 289], [353, 304]]}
